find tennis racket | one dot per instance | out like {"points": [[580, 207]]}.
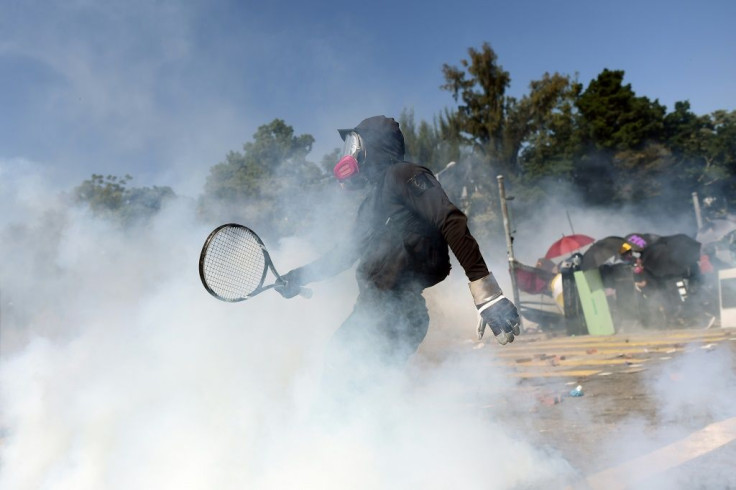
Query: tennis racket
{"points": [[234, 263]]}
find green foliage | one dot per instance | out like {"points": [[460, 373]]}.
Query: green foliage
{"points": [[110, 198], [684, 131], [266, 184], [615, 118], [102, 193], [719, 172], [620, 153], [329, 160], [516, 137], [603, 140], [546, 138], [274, 151], [479, 86], [426, 144]]}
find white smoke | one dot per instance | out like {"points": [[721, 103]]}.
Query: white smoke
{"points": [[671, 400], [118, 370], [676, 442], [563, 213]]}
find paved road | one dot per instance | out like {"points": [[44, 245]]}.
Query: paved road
{"points": [[646, 418], [538, 356]]}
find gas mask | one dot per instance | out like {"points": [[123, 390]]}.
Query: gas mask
{"points": [[347, 169]]}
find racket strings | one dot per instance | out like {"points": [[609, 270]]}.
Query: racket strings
{"points": [[234, 265]]}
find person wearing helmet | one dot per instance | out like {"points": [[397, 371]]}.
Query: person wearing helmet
{"points": [[401, 236]]}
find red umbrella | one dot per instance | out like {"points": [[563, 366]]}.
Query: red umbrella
{"points": [[568, 244]]}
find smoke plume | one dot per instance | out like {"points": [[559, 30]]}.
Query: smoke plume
{"points": [[118, 370]]}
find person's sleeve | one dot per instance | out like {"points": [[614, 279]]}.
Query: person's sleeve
{"points": [[338, 259], [328, 265], [422, 193]]}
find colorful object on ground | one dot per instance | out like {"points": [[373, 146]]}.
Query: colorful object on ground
{"points": [[578, 391], [568, 244]]}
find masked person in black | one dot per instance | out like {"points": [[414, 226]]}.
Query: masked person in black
{"points": [[400, 240]]}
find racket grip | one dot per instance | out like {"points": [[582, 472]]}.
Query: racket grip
{"points": [[305, 292]]}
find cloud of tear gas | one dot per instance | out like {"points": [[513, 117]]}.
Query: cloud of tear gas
{"points": [[118, 370], [694, 391], [653, 448], [698, 387], [565, 213], [680, 396]]}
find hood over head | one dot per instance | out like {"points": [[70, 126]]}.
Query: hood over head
{"points": [[383, 140]]}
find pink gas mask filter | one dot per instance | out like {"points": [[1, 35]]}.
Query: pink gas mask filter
{"points": [[346, 168]]}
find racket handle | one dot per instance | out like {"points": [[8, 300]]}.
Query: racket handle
{"points": [[305, 292]]}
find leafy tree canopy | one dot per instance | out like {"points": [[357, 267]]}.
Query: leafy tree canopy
{"points": [[265, 185], [615, 118], [109, 196], [603, 139]]}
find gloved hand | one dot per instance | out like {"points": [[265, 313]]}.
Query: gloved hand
{"points": [[501, 315], [292, 284], [496, 311]]}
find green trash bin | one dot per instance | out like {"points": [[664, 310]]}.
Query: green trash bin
{"points": [[593, 300]]}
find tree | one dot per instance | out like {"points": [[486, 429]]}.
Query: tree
{"points": [[543, 128], [685, 135], [480, 89], [425, 143], [684, 132], [475, 128], [267, 183], [615, 118], [621, 138], [102, 194], [274, 150], [611, 144], [110, 198], [514, 136], [533, 139], [719, 173]]}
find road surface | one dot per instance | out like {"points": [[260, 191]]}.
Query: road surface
{"points": [[658, 408]]}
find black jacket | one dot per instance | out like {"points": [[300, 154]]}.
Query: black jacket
{"points": [[402, 233]]}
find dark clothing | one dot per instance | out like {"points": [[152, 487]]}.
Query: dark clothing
{"points": [[402, 233], [370, 349], [400, 240], [384, 144], [384, 329]]}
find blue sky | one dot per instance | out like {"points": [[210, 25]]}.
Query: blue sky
{"points": [[163, 90]]}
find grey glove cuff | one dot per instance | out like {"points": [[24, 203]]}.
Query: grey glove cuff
{"points": [[484, 290]]}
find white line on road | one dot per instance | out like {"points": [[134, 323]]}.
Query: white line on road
{"points": [[696, 444]]}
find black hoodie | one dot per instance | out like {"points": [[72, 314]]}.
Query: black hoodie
{"points": [[405, 223]]}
